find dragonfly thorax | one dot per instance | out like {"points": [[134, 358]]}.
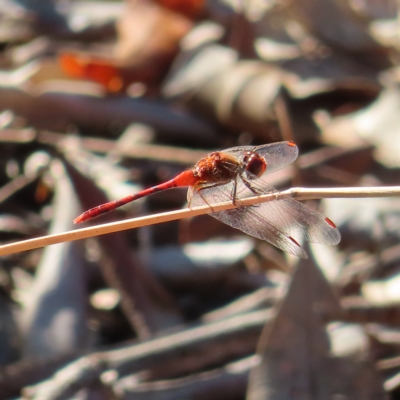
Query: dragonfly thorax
{"points": [[217, 167]]}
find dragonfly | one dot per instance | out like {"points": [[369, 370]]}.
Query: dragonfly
{"points": [[239, 173]]}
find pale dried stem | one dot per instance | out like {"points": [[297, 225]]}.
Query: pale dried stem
{"points": [[297, 193]]}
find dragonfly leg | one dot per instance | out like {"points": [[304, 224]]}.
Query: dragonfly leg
{"points": [[235, 200], [251, 188], [234, 191]]}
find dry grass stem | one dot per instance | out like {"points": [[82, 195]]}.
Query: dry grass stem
{"points": [[297, 193]]}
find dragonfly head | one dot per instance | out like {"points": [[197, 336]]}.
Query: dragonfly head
{"points": [[255, 165]]}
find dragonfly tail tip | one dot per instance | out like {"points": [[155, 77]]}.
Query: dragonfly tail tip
{"points": [[78, 220]]}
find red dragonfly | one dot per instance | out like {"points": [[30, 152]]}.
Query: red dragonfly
{"points": [[238, 173]]}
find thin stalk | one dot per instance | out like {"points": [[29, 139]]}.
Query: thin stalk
{"points": [[297, 193]]}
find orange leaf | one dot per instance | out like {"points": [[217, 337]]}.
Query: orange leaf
{"points": [[189, 8], [87, 67]]}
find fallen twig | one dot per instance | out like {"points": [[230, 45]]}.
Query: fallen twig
{"points": [[209, 344]]}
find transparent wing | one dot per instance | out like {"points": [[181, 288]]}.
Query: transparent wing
{"points": [[246, 219], [283, 222], [277, 155]]}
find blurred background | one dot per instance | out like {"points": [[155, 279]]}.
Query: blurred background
{"points": [[99, 99]]}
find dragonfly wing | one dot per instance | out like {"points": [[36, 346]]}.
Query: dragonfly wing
{"points": [[277, 155], [291, 216], [300, 222], [246, 219], [281, 222]]}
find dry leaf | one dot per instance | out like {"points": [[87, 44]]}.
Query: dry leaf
{"points": [[297, 359]]}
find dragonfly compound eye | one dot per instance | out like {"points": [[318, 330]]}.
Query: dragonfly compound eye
{"points": [[255, 164]]}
